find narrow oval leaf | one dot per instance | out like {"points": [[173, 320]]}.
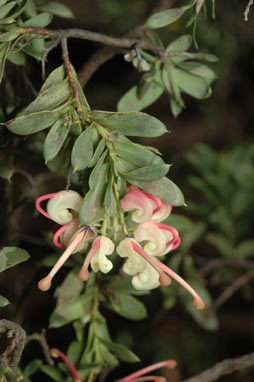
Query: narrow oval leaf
{"points": [[190, 83], [6, 9], [3, 301], [110, 203], [98, 152], [164, 189], [121, 351], [148, 173], [9, 36], [4, 49], [57, 9], [136, 154], [82, 151], [35, 48], [52, 372], [180, 44], [96, 173], [199, 70], [166, 17], [49, 99], [134, 124], [17, 58], [131, 102], [32, 123], [92, 206], [11, 256], [54, 140], [128, 306], [39, 21], [206, 57], [55, 77]]}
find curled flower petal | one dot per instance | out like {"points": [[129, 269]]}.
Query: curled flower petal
{"points": [[60, 206], [99, 260], [155, 238], [148, 279], [134, 263], [162, 213], [141, 206], [101, 248]]}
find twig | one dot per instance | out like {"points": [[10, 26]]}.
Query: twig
{"points": [[247, 10], [104, 54], [68, 71], [233, 262], [231, 289], [45, 55], [225, 367], [41, 338], [17, 338]]}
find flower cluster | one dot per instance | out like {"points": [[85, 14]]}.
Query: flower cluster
{"points": [[149, 240]]}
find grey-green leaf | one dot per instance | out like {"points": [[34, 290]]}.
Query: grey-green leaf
{"points": [[6, 9], [49, 99], [180, 44], [92, 206], [71, 310], [164, 189], [98, 152], [32, 123], [136, 154], [55, 77], [82, 151], [190, 83], [130, 100], [110, 203], [166, 17], [129, 307], [57, 9], [52, 372], [39, 21], [199, 70], [4, 49], [3, 301], [148, 173], [54, 140], [134, 124], [11, 256], [10, 35], [121, 351]]}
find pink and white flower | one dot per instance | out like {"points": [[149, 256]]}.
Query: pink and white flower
{"points": [[145, 206]]}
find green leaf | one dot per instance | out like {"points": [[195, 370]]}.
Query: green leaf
{"points": [[131, 102], [32, 367], [190, 237], [54, 140], [98, 152], [82, 151], [11, 256], [4, 49], [74, 352], [136, 154], [199, 70], [22, 7], [39, 21], [52, 372], [62, 160], [164, 189], [190, 84], [180, 222], [245, 249], [3, 301], [180, 44], [92, 206], [6, 9], [10, 35], [55, 77], [107, 357], [49, 99], [121, 352], [148, 173], [57, 9], [80, 90], [206, 57], [110, 203], [35, 48], [70, 288], [175, 107], [128, 306], [74, 309], [134, 124], [6, 164], [96, 173], [17, 58], [166, 17], [32, 123]]}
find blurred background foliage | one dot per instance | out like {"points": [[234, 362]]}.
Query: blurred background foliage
{"points": [[209, 145]]}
